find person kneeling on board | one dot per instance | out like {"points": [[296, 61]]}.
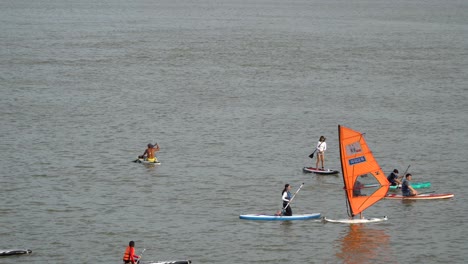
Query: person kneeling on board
{"points": [[406, 188], [129, 255]]}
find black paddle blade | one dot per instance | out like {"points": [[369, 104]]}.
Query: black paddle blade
{"points": [[311, 155]]}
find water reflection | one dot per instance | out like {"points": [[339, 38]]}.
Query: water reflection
{"points": [[363, 244]]}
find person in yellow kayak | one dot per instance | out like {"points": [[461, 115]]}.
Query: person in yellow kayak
{"points": [[150, 153]]}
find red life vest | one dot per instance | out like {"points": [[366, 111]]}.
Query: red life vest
{"points": [[128, 255]]}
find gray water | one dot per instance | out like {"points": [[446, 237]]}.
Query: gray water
{"points": [[236, 93]]}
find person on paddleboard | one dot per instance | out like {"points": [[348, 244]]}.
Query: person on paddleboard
{"points": [[149, 153], [286, 197], [393, 178], [406, 188], [321, 147], [357, 188], [129, 255]]}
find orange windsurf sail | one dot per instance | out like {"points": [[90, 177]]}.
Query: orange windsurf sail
{"points": [[358, 161]]}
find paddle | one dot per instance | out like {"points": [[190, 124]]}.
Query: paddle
{"points": [[141, 254], [290, 201], [404, 173], [312, 155]]}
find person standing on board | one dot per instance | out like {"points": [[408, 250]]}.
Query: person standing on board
{"points": [[321, 147], [406, 188], [129, 255], [286, 199], [149, 153], [393, 178]]}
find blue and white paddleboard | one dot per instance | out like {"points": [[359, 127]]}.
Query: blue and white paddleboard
{"points": [[263, 217]]}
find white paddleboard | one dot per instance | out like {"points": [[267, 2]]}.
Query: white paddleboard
{"points": [[144, 161], [356, 221], [169, 262]]}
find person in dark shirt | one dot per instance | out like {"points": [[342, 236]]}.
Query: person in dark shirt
{"points": [[406, 188], [393, 178]]}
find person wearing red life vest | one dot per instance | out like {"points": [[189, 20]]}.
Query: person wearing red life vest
{"points": [[129, 255]]}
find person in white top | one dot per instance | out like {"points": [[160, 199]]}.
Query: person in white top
{"points": [[321, 147]]}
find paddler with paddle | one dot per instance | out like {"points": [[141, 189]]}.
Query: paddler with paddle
{"points": [[286, 197], [406, 189], [287, 200], [129, 255], [321, 147], [393, 178], [149, 153]]}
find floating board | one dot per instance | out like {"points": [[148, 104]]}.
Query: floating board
{"points": [[10, 252], [356, 221], [263, 217], [319, 171], [416, 185], [424, 196], [139, 160], [169, 262]]}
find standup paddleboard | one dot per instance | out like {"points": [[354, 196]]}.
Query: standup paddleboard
{"points": [[356, 221], [319, 171], [424, 196], [263, 217], [140, 160], [169, 262], [10, 252]]}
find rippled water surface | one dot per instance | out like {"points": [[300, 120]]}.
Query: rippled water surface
{"points": [[235, 92]]}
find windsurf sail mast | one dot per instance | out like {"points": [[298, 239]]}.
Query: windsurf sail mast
{"points": [[357, 160]]}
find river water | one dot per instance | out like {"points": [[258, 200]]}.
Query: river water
{"points": [[236, 93]]}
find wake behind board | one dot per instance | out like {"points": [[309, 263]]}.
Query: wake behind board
{"points": [[319, 171], [11, 252], [356, 221], [263, 217], [424, 196], [169, 262], [415, 185], [144, 161]]}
